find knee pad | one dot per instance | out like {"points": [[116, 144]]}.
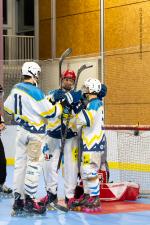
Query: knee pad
{"points": [[34, 151]]}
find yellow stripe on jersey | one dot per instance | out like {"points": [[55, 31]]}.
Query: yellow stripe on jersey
{"points": [[52, 110], [49, 112], [8, 110], [25, 118], [57, 123], [53, 124], [92, 140]]}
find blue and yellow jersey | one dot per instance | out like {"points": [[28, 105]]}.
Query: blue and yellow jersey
{"points": [[92, 119], [54, 125], [29, 106]]}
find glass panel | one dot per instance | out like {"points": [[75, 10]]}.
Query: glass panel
{"points": [[4, 11], [25, 17], [29, 12]]}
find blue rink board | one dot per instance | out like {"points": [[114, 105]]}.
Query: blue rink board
{"points": [[70, 218]]}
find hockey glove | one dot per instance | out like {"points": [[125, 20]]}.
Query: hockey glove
{"points": [[73, 97], [103, 92], [58, 95]]}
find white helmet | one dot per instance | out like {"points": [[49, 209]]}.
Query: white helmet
{"points": [[31, 69], [92, 85]]}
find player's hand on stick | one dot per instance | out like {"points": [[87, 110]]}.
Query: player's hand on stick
{"points": [[73, 97], [57, 96]]}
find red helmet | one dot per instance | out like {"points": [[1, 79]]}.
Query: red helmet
{"points": [[69, 74]]}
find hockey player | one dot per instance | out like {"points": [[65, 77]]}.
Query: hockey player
{"points": [[4, 190], [29, 106], [104, 168], [93, 145], [52, 146]]}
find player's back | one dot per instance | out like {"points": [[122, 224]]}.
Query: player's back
{"points": [[25, 102], [93, 133]]}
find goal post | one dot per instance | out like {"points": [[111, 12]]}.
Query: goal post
{"points": [[128, 154]]}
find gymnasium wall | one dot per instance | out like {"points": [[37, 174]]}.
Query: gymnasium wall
{"points": [[77, 26], [127, 49], [127, 66], [45, 29], [127, 54]]}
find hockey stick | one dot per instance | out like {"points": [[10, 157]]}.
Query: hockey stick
{"points": [[66, 53], [57, 206], [1, 102], [63, 140], [54, 205], [82, 68], [79, 151]]}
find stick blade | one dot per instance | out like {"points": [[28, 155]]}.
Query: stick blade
{"points": [[58, 207], [66, 53]]}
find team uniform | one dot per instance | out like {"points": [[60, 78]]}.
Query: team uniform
{"points": [[29, 106], [93, 141], [53, 146]]}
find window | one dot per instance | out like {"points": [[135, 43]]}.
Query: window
{"points": [[25, 17], [5, 12]]}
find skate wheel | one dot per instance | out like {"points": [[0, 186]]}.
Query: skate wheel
{"points": [[78, 208]]}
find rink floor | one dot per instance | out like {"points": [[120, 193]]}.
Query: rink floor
{"points": [[121, 213]]}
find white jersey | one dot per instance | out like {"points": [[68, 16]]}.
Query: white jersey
{"points": [[54, 125], [91, 118], [29, 106]]}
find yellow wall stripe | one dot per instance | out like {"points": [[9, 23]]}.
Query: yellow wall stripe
{"points": [[112, 165], [129, 166], [10, 161]]}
